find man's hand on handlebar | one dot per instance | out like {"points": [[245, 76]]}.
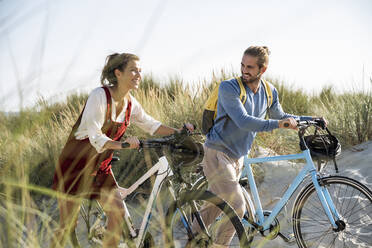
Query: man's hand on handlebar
{"points": [[318, 122], [289, 123]]}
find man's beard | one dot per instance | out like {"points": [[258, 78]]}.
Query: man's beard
{"points": [[251, 79]]}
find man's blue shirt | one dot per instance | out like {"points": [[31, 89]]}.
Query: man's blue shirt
{"points": [[236, 125]]}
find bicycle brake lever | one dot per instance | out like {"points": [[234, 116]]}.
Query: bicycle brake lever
{"points": [[185, 130], [140, 147], [320, 123]]}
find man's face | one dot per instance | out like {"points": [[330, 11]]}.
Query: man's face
{"points": [[250, 70]]}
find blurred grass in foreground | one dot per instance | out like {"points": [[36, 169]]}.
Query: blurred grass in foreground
{"points": [[30, 143]]}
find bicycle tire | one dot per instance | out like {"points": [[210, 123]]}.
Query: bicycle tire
{"points": [[90, 227], [353, 202], [249, 216], [177, 235]]}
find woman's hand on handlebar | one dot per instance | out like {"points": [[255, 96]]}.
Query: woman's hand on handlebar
{"points": [[133, 142], [289, 123]]}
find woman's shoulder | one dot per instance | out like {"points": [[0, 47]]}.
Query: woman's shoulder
{"points": [[97, 94], [97, 91]]}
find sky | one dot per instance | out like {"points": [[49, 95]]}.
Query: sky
{"points": [[49, 49]]}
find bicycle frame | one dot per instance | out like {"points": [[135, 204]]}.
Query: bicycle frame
{"points": [[163, 170], [322, 192]]}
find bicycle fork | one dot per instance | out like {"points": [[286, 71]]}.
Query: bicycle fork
{"points": [[327, 202]]}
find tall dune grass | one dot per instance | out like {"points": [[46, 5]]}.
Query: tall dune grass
{"points": [[31, 141], [350, 114]]}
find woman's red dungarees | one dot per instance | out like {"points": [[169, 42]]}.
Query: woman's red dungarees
{"points": [[80, 169]]}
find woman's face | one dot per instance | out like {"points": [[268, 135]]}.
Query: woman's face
{"points": [[131, 76]]}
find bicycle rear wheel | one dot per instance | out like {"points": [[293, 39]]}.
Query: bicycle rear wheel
{"points": [[353, 202], [181, 214]]}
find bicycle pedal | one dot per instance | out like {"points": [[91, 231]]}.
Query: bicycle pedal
{"points": [[287, 238]]}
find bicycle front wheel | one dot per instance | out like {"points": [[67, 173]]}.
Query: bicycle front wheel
{"points": [[248, 218], [182, 213], [353, 202]]}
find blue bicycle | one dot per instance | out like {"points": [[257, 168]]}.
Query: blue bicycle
{"points": [[331, 211]]}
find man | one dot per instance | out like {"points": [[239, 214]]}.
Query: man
{"points": [[233, 132]]}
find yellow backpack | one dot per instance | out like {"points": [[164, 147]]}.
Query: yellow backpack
{"points": [[210, 108]]}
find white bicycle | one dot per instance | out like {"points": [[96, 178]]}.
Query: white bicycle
{"points": [[183, 207]]}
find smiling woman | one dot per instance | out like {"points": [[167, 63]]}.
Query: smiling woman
{"points": [[84, 166], [118, 61]]}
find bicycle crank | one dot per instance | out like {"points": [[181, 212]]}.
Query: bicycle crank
{"points": [[273, 230]]}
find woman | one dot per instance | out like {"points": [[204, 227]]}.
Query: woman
{"points": [[84, 166]]}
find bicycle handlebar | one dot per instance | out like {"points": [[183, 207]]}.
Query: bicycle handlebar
{"points": [[163, 141], [176, 137], [320, 123]]}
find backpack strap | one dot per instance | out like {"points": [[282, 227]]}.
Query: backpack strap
{"points": [[269, 93], [211, 103], [243, 92]]}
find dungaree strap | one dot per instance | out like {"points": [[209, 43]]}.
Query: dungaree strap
{"points": [[108, 100], [125, 124], [127, 113]]}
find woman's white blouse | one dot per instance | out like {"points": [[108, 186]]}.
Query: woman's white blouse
{"points": [[95, 113]]}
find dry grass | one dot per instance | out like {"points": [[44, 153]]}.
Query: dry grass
{"points": [[31, 141]]}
